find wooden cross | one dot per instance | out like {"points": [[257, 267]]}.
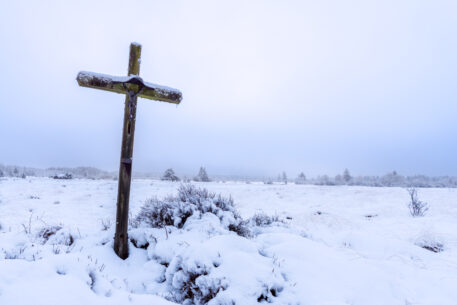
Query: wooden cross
{"points": [[132, 86]]}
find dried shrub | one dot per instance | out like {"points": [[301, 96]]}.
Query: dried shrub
{"points": [[430, 243], [435, 247], [47, 232], [416, 207], [106, 224]]}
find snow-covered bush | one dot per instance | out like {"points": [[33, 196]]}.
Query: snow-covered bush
{"points": [[66, 176], [262, 220], [416, 207], [190, 282], [219, 270], [190, 201], [169, 175], [198, 259], [56, 235], [268, 181]]}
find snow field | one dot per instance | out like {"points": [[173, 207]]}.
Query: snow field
{"points": [[334, 246]]}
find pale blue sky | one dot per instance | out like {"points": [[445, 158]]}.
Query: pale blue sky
{"points": [[313, 86]]}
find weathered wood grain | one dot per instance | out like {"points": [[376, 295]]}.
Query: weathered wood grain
{"points": [[121, 84], [121, 240]]}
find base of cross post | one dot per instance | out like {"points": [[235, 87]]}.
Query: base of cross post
{"points": [[121, 240], [121, 246]]}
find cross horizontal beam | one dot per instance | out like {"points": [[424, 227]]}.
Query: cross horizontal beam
{"points": [[119, 84]]}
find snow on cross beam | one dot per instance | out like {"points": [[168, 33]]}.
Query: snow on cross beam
{"points": [[119, 84], [133, 87]]}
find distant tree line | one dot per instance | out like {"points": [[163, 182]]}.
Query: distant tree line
{"points": [[55, 172], [89, 173], [392, 179]]}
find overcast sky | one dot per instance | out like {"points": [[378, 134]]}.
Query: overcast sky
{"points": [[312, 86]]}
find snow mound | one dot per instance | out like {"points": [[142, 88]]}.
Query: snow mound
{"points": [[206, 254]]}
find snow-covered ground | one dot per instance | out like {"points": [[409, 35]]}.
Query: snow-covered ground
{"points": [[339, 245]]}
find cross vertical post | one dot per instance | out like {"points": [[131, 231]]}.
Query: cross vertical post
{"points": [[133, 87], [121, 243]]}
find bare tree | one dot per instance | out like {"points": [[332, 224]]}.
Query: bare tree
{"points": [[416, 207]]}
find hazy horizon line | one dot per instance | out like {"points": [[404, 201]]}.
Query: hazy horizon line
{"points": [[188, 174]]}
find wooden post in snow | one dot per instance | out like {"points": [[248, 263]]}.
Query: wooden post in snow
{"points": [[133, 87]]}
